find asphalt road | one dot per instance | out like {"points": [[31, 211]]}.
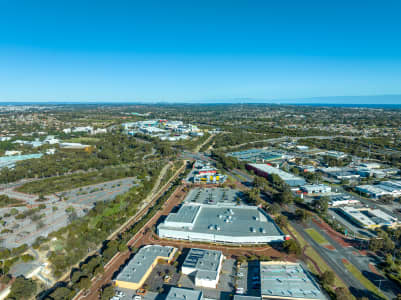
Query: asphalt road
{"points": [[361, 262], [356, 288]]}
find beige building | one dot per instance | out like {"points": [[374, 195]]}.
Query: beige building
{"points": [[138, 269]]}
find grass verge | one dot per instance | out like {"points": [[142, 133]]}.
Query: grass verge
{"points": [[316, 236], [362, 279], [310, 252]]}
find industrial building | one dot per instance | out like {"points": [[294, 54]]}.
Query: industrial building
{"points": [[141, 265], [391, 188], [336, 154], [369, 218], [266, 170], [256, 155], [76, 146], [342, 200], [204, 265], [340, 173], [176, 293], [316, 189], [205, 173], [221, 223], [286, 280], [10, 161]]}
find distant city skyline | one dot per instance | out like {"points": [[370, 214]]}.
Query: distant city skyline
{"points": [[206, 51]]}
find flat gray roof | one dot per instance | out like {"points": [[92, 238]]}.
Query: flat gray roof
{"points": [[205, 262], [230, 220], [284, 279], [256, 154], [141, 262], [282, 174], [183, 294], [243, 297], [186, 214]]}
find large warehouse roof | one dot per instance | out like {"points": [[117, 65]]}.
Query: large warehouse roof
{"points": [[228, 220], [217, 223], [285, 280], [289, 178], [219, 215]]}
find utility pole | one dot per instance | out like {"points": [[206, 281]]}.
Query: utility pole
{"points": [[380, 282]]}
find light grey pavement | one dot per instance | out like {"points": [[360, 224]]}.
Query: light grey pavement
{"points": [[55, 216]]}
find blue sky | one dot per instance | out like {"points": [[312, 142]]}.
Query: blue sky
{"points": [[197, 50]]}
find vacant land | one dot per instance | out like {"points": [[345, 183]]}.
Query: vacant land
{"points": [[7, 201], [316, 236]]}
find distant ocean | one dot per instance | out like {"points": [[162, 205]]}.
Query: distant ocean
{"points": [[217, 102]]}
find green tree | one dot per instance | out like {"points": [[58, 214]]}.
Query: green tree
{"points": [[285, 197], [107, 293], [282, 221], [321, 205], [343, 293], [327, 278], [62, 293], [84, 283], [291, 247], [302, 215], [274, 209], [22, 288]]}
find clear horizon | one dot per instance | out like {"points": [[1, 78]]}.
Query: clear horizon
{"points": [[132, 51]]}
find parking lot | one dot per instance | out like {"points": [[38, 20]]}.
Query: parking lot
{"points": [[98, 192], [26, 230], [162, 276], [58, 213]]}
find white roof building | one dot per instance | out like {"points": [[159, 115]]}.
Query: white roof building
{"points": [[369, 218], [392, 188], [205, 265], [316, 189]]}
